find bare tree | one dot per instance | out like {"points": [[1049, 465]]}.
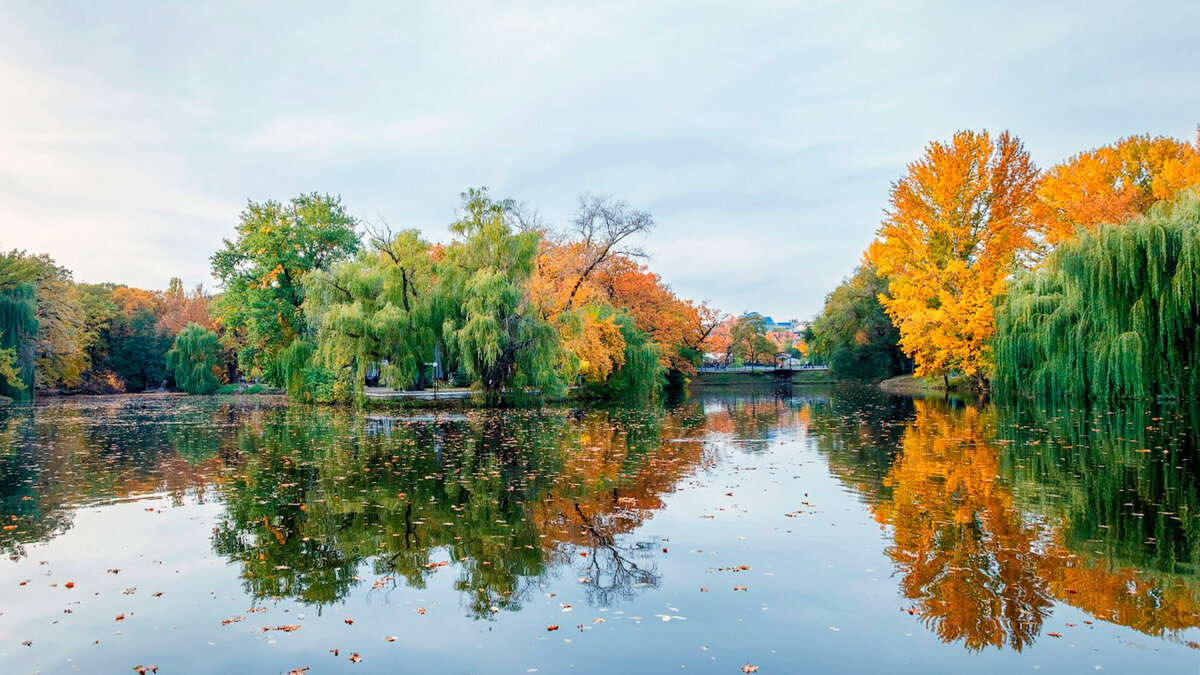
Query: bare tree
{"points": [[604, 225]]}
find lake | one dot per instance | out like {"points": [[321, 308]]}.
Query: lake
{"points": [[831, 530]]}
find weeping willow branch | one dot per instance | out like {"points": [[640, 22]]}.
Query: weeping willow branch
{"points": [[1112, 314]]}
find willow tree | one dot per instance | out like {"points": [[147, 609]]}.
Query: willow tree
{"points": [[958, 226], [377, 309], [483, 291], [18, 324], [195, 359], [1112, 314]]}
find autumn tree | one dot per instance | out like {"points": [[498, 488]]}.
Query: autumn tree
{"points": [[957, 227], [262, 272], [1113, 183], [748, 339], [181, 308]]}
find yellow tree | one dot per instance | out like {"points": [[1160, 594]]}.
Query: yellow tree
{"points": [[1113, 183], [959, 223]]}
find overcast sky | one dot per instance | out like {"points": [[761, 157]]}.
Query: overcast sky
{"points": [[763, 136]]}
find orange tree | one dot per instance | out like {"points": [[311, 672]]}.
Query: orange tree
{"points": [[958, 225], [1113, 183]]}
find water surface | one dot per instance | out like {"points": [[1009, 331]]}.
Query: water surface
{"points": [[832, 531]]}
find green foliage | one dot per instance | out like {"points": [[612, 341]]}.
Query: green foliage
{"points": [[377, 309], [854, 334], [18, 328], [748, 340], [194, 358], [1112, 314], [304, 379], [483, 292], [262, 272]]}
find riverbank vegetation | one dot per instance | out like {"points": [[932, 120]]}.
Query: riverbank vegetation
{"points": [[1077, 281], [317, 303]]}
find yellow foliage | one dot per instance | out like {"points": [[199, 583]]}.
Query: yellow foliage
{"points": [[957, 227], [1112, 183]]}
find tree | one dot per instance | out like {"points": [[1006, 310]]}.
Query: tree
{"points": [[602, 226], [1113, 183], [181, 308], [62, 342], [491, 325], [748, 340], [958, 226], [853, 333], [377, 309], [262, 272], [1111, 314], [18, 324], [195, 358], [137, 349]]}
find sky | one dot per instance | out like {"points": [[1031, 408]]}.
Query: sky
{"points": [[762, 136]]}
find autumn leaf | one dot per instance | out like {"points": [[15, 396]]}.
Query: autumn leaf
{"points": [[552, 627], [748, 668]]}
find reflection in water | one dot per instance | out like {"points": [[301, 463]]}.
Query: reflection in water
{"points": [[994, 515], [997, 513]]}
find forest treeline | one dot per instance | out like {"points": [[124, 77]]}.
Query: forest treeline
{"points": [[1082, 281], [319, 304]]}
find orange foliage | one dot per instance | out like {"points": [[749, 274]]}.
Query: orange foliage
{"points": [[958, 226], [1114, 182]]}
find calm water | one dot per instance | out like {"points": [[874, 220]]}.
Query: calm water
{"points": [[836, 531]]}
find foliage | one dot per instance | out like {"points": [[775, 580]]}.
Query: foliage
{"points": [[748, 340], [854, 334], [1113, 183], [641, 375], [957, 228], [377, 309], [1112, 313], [137, 349], [262, 272], [62, 341], [490, 323], [194, 358], [18, 324]]}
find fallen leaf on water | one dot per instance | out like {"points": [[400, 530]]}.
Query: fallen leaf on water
{"points": [[349, 622], [70, 584], [749, 668], [28, 643], [226, 622], [355, 658], [286, 628], [120, 617], [1054, 634], [421, 611], [142, 670], [552, 627], [739, 588], [390, 638], [298, 671]]}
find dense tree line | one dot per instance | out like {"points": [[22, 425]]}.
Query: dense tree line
{"points": [[315, 302]]}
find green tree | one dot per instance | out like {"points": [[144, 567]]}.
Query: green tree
{"points": [[18, 324], [1111, 314], [490, 323], [748, 339], [377, 309], [853, 333], [262, 272], [195, 358]]}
